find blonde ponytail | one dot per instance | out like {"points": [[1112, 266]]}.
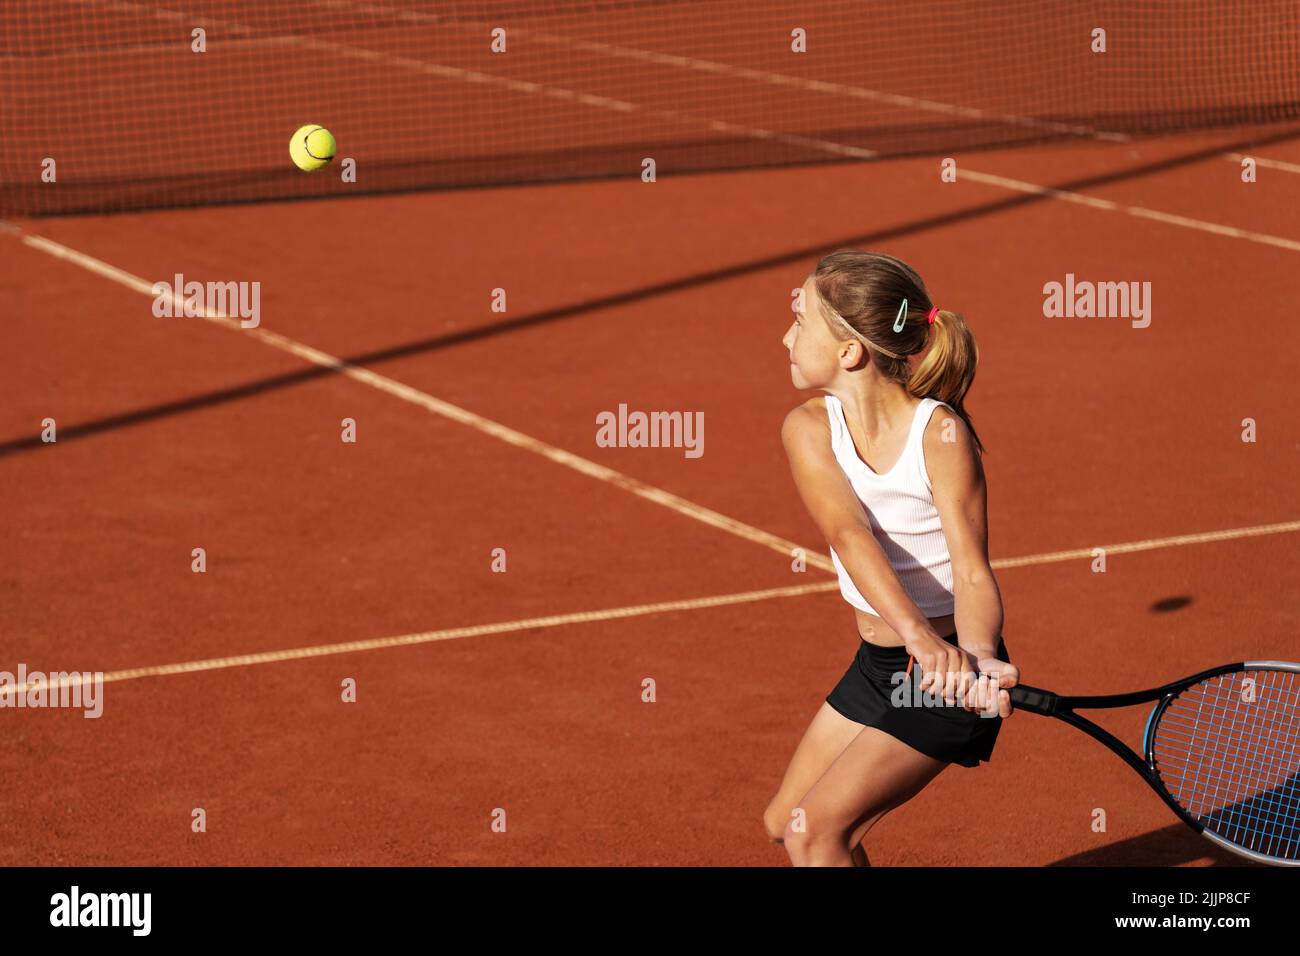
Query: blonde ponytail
{"points": [[947, 370]]}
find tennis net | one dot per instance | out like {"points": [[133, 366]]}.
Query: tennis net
{"points": [[130, 105]]}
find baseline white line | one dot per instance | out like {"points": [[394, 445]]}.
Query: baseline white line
{"points": [[1266, 163], [430, 637], [609, 614]]}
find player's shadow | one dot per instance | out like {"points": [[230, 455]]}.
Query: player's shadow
{"points": [[1174, 845], [1265, 821]]}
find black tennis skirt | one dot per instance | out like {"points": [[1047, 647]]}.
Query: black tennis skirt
{"points": [[878, 692]]}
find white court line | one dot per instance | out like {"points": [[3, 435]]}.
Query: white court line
{"points": [[437, 406], [1140, 212], [1266, 163], [429, 637], [610, 614], [1151, 544]]}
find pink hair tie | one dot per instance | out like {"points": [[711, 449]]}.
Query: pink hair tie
{"points": [[934, 310]]}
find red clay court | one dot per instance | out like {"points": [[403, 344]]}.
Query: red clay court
{"points": [[371, 561]]}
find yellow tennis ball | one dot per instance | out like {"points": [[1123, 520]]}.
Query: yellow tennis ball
{"points": [[312, 147]]}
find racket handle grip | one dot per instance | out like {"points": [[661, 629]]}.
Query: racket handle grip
{"points": [[1033, 699]]}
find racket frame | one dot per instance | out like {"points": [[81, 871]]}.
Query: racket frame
{"points": [[1050, 704]]}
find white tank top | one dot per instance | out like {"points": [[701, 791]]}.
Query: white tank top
{"points": [[900, 505]]}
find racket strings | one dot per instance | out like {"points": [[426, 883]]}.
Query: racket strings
{"points": [[1228, 752]]}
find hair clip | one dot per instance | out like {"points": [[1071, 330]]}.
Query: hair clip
{"points": [[901, 317]]}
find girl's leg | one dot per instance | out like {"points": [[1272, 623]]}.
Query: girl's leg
{"points": [[873, 775], [824, 740], [856, 849]]}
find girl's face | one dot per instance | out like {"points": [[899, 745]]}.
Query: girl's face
{"points": [[814, 350]]}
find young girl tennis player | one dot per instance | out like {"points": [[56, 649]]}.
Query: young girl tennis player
{"points": [[898, 492]]}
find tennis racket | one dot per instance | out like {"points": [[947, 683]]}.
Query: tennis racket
{"points": [[1221, 748]]}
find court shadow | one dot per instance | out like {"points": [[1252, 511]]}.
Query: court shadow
{"points": [[792, 259], [1174, 845]]}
